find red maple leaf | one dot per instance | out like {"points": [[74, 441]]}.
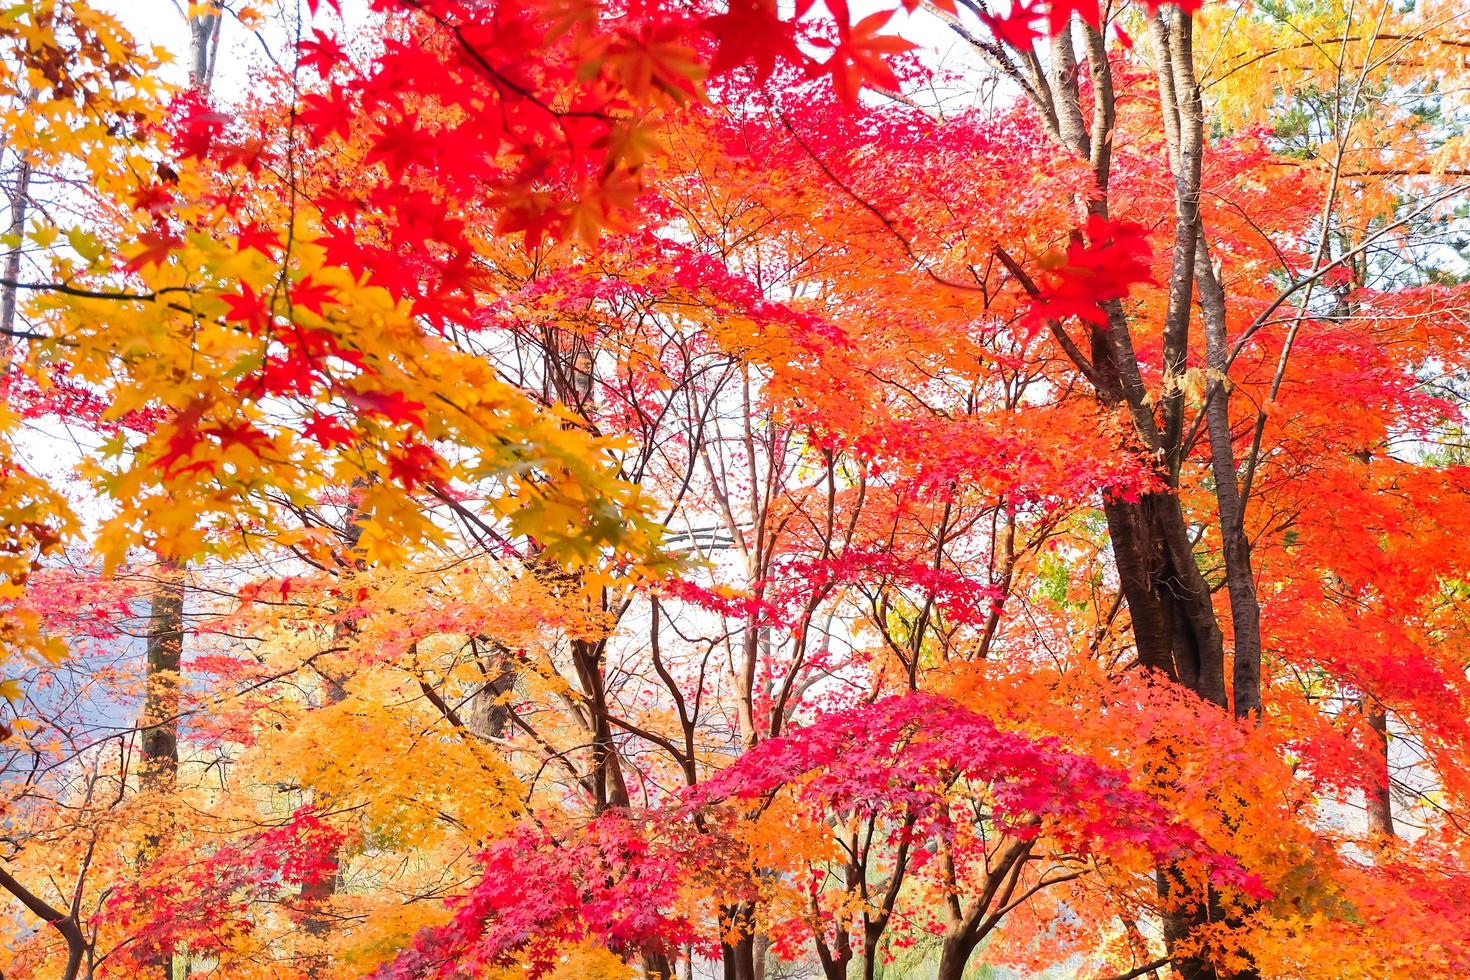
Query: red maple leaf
{"points": [[196, 124], [246, 153], [312, 296], [152, 199], [325, 113], [398, 145], [248, 307], [322, 52], [393, 405], [1017, 28], [157, 245], [1059, 13], [414, 465], [292, 374], [184, 437], [1104, 267], [751, 32], [258, 237], [859, 58], [242, 434], [327, 431]]}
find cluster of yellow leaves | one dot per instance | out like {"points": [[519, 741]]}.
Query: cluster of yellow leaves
{"points": [[1347, 59], [75, 85], [412, 418], [71, 80], [33, 519], [338, 720], [212, 474]]}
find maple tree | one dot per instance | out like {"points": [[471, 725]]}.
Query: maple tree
{"points": [[575, 489]]}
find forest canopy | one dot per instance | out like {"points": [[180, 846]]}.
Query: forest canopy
{"points": [[623, 488]]}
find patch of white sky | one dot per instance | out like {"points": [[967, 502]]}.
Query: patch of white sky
{"points": [[164, 23]]}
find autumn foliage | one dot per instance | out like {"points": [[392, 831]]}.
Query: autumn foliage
{"points": [[556, 488]]}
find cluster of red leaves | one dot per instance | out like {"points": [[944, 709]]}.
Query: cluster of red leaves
{"points": [[616, 882], [963, 599], [65, 397], [555, 144], [79, 604], [1006, 456], [204, 904], [722, 601], [1025, 22], [1415, 896], [783, 598], [1102, 263], [557, 140], [900, 756]]}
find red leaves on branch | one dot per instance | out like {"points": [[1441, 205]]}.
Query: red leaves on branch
{"points": [[751, 32], [1026, 22], [322, 52], [263, 240], [249, 308], [899, 756], [327, 431], [860, 54], [196, 124], [615, 882], [1102, 265], [204, 903], [158, 245], [785, 595], [394, 406]]}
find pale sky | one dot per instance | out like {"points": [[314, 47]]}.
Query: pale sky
{"points": [[162, 22]]}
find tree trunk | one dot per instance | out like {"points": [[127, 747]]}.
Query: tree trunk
{"points": [[1240, 581], [738, 958], [315, 894], [203, 49], [166, 628], [1174, 625], [607, 770], [1380, 805], [63, 922], [657, 966], [20, 197], [161, 702], [954, 955], [487, 714], [164, 655]]}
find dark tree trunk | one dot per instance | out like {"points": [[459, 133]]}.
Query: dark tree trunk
{"points": [[161, 701], [164, 655], [1240, 581], [954, 955], [315, 894], [64, 923], [607, 771], [1174, 625], [657, 966], [488, 715], [166, 627], [738, 958]]}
